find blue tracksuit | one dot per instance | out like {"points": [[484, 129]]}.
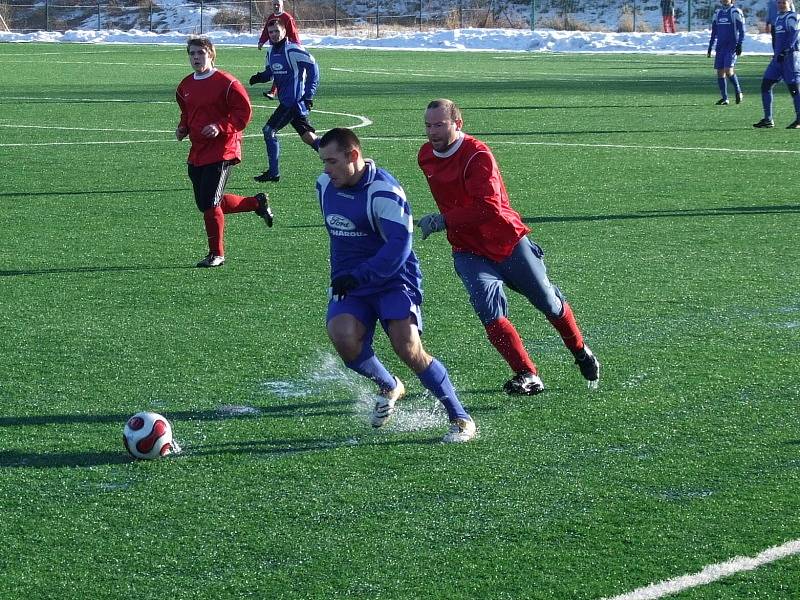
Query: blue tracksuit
{"points": [[727, 30], [294, 71]]}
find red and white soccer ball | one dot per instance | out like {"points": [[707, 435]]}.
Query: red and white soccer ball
{"points": [[148, 435]]}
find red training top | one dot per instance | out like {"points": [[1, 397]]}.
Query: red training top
{"points": [[292, 34], [217, 99], [467, 186]]}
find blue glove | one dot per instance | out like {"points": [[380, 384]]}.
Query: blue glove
{"points": [[309, 103], [738, 49], [255, 79], [431, 223], [341, 285], [708, 54]]}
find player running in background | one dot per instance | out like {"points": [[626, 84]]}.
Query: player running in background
{"points": [[668, 15], [375, 276], [785, 64], [215, 109], [292, 33], [727, 30], [296, 74], [490, 245]]}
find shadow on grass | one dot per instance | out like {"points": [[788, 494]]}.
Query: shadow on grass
{"points": [[63, 270], [299, 446], [652, 214], [51, 193], [304, 409], [574, 106], [267, 447]]}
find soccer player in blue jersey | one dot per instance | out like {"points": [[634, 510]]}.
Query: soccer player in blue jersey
{"points": [[296, 74], [727, 30], [785, 64], [772, 14], [375, 277]]}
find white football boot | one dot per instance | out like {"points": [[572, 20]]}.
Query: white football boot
{"points": [[461, 430], [384, 404], [211, 260]]}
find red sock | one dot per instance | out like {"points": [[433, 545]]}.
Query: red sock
{"points": [[232, 203], [568, 329], [503, 336], [215, 224]]}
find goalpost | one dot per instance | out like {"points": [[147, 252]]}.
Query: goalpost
{"points": [[3, 26]]}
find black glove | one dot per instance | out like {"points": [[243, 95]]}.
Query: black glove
{"points": [[255, 79], [708, 54], [738, 49], [780, 57], [309, 103], [343, 284]]}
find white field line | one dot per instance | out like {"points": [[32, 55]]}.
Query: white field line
{"points": [[612, 146], [366, 122], [455, 74], [711, 573], [362, 121]]}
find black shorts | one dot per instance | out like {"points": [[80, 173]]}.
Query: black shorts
{"points": [[209, 182], [285, 115]]}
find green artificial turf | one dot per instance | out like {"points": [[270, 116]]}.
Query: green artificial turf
{"points": [[669, 223]]}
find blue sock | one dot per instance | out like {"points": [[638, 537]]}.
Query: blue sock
{"points": [[723, 87], [315, 145], [273, 153], [766, 102], [368, 365], [735, 82], [436, 380], [796, 100]]}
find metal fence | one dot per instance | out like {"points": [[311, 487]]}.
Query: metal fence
{"points": [[370, 18]]}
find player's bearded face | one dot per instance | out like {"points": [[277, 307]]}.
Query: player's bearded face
{"points": [[441, 130]]}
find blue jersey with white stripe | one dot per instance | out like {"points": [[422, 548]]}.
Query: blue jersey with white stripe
{"points": [[786, 33], [727, 27], [370, 229], [294, 71]]}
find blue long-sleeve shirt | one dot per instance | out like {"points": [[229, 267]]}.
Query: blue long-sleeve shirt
{"points": [[786, 33], [370, 229], [295, 73], [727, 28]]}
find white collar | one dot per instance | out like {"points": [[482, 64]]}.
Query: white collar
{"points": [[452, 149], [205, 75]]}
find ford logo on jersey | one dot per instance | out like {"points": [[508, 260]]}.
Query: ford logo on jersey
{"points": [[339, 222], [276, 66]]}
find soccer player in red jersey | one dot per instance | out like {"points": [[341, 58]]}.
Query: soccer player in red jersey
{"points": [[292, 33], [491, 247], [215, 109]]}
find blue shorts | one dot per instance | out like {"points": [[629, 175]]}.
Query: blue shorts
{"points": [[725, 57], [393, 305], [788, 70], [524, 272]]}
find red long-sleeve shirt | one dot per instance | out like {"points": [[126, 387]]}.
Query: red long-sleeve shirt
{"points": [[217, 99], [467, 186], [292, 33]]}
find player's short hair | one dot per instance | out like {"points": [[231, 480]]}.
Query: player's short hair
{"points": [[277, 22], [450, 107], [203, 42], [344, 138]]}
